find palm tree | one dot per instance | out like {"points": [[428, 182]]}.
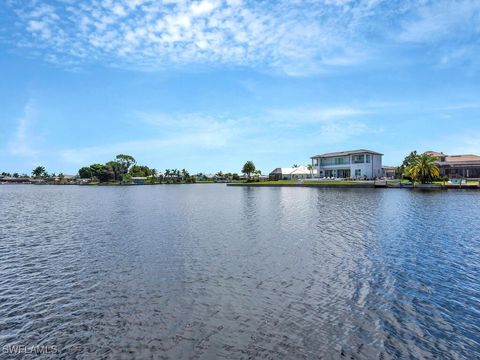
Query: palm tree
{"points": [[295, 165], [248, 168], [423, 168], [185, 175], [310, 168], [39, 171]]}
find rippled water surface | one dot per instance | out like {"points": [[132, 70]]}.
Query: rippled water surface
{"points": [[209, 271]]}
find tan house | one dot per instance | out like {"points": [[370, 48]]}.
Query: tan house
{"points": [[457, 166]]}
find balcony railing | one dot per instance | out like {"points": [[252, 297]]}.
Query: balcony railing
{"points": [[332, 162]]}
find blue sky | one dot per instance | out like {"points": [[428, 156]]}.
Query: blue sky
{"points": [[206, 85]]}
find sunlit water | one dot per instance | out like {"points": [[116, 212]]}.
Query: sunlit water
{"points": [[209, 271]]}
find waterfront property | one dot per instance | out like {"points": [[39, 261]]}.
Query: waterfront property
{"points": [[457, 166], [138, 180], [292, 173], [388, 172], [359, 164]]}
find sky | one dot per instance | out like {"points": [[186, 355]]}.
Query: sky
{"points": [[209, 84]]}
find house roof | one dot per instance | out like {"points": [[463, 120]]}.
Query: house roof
{"points": [[462, 158], [465, 159], [468, 159], [345, 153]]}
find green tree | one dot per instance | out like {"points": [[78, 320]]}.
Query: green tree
{"points": [[423, 168], [140, 170], [39, 171], [126, 178], [117, 169], [408, 161], [125, 161], [101, 172], [15, 175], [295, 165], [85, 172], [185, 175], [176, 174], [248, 168]]}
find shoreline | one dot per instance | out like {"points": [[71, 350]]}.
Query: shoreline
{"points": [[364, 186], [348, 185]]}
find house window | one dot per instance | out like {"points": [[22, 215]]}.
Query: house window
{"points": [[368, 159], [358, 159], [339, 161], [358, 172]]}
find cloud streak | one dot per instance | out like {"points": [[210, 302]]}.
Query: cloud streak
{"points": [[23, 140], [186, 135]]}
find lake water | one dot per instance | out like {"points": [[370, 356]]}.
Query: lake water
{"points": [[209, 271]]}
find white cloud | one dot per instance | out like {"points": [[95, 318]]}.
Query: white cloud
{"points": [[447, 30], [441, 19], [24, 140], [184, 135], [202, 7], [462, 106], [315, 115], [296, 38]]}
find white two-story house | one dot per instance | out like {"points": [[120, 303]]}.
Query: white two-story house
{"points": [[359, 164]]}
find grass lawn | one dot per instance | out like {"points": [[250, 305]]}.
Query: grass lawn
{"points": [[333, 182], [291, 182], [469, 182]]}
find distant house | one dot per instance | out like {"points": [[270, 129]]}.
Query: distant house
{"points": [[291, 173], [10, 179], [138, 180], [66, 179], [388, 172], [360, 164], [457, 166]]}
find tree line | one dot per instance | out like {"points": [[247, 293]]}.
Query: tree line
{"points": [[124, 167]]}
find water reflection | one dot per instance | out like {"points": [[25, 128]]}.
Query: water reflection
{"points": [[207, 271]]}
